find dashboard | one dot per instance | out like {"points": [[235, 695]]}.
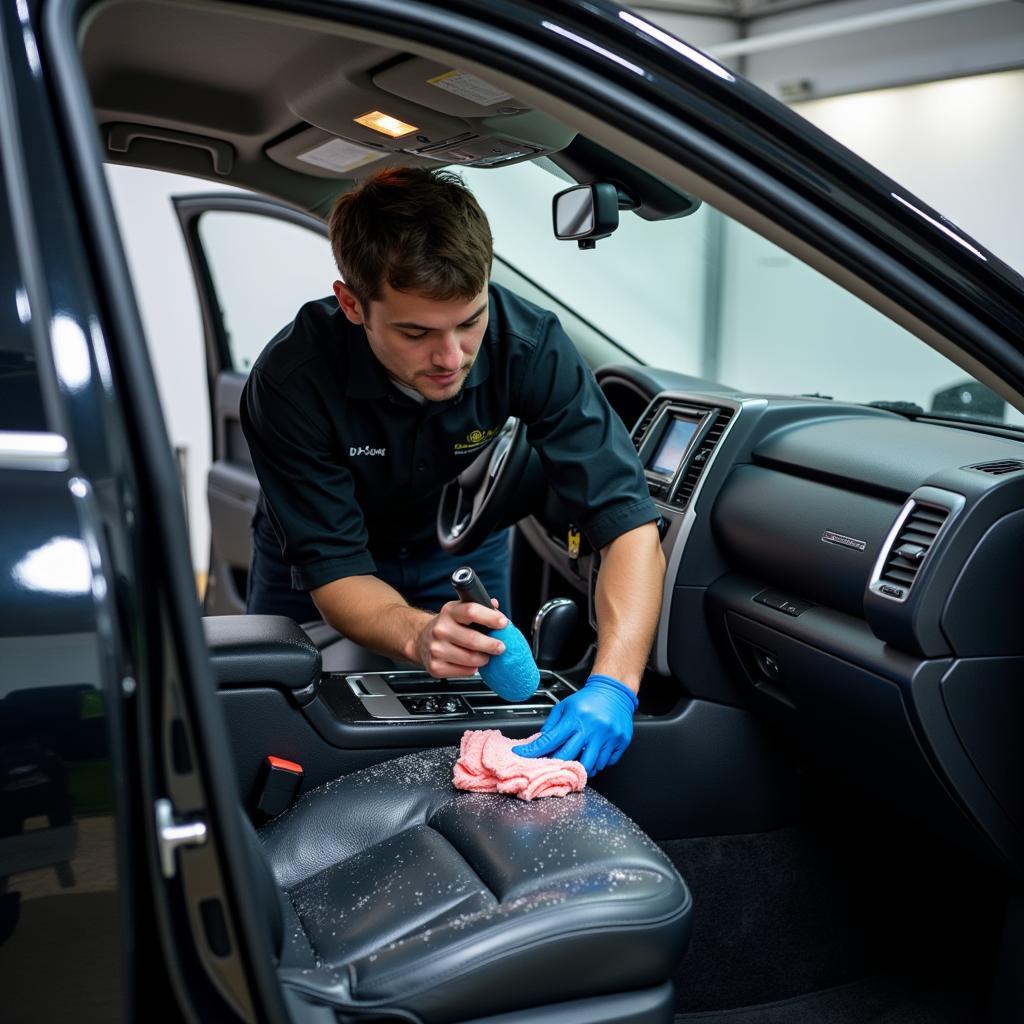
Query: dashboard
{"points": [[848, 573]]}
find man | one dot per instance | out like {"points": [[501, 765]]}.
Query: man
{"points": [[360, 411]]}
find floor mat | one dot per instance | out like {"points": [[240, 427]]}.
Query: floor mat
{"points": [[877, 1000], [815, 907]]}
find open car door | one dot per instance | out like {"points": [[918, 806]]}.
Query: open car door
{"points": [[244, 304]]}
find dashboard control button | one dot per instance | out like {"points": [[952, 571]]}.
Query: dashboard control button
{"points": [[887, 588]]}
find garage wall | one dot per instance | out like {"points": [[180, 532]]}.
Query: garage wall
{"points": [[959, 145], [979, 39], [164, 289]]}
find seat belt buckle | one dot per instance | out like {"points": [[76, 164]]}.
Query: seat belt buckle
{"points": [[573, 544], [278, 783]]}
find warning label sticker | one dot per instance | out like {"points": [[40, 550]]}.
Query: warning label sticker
{"points": [[469, 87], [339, 155]]}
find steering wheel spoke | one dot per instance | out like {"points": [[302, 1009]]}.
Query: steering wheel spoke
{"points": [[471, 505]]}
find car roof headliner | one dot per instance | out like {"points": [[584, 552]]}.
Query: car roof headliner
{"points": [[237, 76]]}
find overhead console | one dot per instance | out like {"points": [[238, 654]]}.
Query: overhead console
{"points": [[418, 109]]}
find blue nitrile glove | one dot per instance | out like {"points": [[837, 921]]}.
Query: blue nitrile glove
{"points": [[593, 726]]}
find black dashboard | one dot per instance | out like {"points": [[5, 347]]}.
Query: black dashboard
{"points": [[849, 573]]}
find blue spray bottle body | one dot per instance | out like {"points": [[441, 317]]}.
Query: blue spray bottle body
{"points": [[514, 674]]}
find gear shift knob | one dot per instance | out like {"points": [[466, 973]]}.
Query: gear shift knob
{"points": [[553, 627]]}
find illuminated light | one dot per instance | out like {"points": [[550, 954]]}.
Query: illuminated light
{"points": [[99, 352], [70, 352], [558, 30], [60, 566], [24, 306], [45, 445], [32, 51], [678, 45], [942, 227], [385, 124]]}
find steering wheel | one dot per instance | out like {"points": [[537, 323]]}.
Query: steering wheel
{"points": [[481, 496]]}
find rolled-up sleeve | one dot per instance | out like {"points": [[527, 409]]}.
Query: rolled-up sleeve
{"points": [[310, 494], [588, 457]]}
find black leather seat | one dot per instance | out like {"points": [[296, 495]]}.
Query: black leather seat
{"points": [[396, 891]]}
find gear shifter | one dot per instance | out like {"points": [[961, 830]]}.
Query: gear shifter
{"points": [[553, 627]]}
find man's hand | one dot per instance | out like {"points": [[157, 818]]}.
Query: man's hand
{"points": [[449, 646], [593, 726]]}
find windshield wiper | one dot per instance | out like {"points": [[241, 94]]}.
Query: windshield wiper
{"points": [[903, 408]]}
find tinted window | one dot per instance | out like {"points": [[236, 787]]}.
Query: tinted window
{"points": [[21, 400]]}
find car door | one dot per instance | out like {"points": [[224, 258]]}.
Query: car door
{"points": [[244, 303]]}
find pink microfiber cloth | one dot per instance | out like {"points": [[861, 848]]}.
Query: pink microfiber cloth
{"points": [[486, 764]]}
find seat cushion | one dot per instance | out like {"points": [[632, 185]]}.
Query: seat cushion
{"points": [[451, 905]]}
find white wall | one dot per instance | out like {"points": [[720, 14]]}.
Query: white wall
{"points": [[164, 289], [959, 145]]}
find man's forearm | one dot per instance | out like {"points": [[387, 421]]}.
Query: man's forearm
{"points": [[628, 602], [373, 614]]}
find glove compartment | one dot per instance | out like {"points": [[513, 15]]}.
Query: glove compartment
{"points": [[808, 538]]}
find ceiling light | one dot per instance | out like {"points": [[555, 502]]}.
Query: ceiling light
{"points": [[385, 124]]}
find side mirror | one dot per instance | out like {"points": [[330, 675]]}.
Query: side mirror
{"points": [[585, 213]]}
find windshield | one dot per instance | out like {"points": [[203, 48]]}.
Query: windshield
{"points": [[704, 295]]}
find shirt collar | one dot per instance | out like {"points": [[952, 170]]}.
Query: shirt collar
{"points": [[368, 379]]}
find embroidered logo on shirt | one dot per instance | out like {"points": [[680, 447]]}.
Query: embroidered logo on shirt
{"points": [[474, 439], [361, 450]]}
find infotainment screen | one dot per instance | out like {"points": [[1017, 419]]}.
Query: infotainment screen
{"points": [[670, 452]]}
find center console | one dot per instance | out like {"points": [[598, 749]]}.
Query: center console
{"points": [[370, 697]]}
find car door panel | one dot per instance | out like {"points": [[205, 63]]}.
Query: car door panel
{"points": [[237, 323], [232, 491]]}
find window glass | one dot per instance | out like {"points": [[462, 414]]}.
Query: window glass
{"points": [[263, 270], [21, 398], [704, 295]]}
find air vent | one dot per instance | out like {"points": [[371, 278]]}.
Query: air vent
{"points": [[701, 458], [999, 468], [909, 548], [640, 430]]}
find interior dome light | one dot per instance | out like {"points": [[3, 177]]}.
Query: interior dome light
{"points": [[385, 124]]}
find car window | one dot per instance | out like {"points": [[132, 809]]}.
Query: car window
{"points": [[705, 295], [263, 270], [21, 397]]}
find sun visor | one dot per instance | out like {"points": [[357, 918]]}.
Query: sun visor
{"points": [[500, 128], [446, 89], [320, 154]]}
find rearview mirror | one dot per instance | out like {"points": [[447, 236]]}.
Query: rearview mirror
{"points": [[585, 213]]}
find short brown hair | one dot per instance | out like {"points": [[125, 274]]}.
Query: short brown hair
{"points": [[420, 230]]}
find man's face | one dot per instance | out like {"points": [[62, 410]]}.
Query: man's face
{"points": [[426, 344]]}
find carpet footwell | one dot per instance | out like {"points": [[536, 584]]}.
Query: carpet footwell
{"points": [[877, 1000], [833, 920]]}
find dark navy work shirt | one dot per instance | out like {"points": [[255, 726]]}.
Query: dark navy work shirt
{"points": [[349, 465]]}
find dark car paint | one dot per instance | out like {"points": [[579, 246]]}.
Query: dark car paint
{"points": [[138, 602]]}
